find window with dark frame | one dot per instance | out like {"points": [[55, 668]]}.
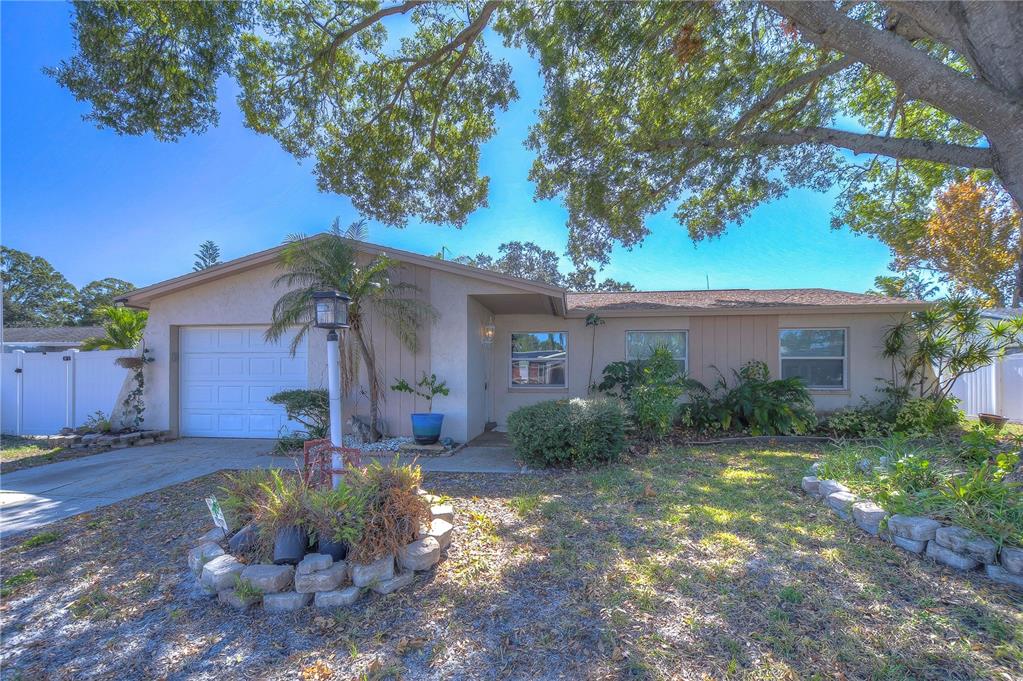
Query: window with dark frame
{"points": [[539, 359]]}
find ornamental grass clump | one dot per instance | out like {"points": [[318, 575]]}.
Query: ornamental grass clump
{"points": [[394, 511]]}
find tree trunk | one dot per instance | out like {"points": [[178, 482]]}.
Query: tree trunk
{"points": [[1017, 289], [374, 382]]}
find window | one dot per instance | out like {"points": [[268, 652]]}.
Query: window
{"points": [[815, 355], [539, 358], [641, 344]]}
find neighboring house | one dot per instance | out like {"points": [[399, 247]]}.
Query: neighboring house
{"points": [[47, 338], [212, 370]]}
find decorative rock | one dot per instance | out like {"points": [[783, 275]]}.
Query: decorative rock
{"points": [[202, 554], [814, 467], [864, 465], [839, 502], [244, 539], [286, 601], [387, 586], [1003, 576], [337, 599], [313, 562], [911, 545], [444, 512], [377, 571], [441, 531], [219, 573], [913, 527], [269, 578], [1011, 560], [811, 485], [429, 498], [231, 597], [215, 535], [828, 487], [868, 516], [950, 557], [422, 554], [324, 580], [966, 542]]}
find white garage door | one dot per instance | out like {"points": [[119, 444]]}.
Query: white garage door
{"points": [[227, 372]]}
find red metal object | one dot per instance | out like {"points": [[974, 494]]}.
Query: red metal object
{"points": [[318, 466]]}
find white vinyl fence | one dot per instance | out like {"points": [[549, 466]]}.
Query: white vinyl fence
{"points": [[40, 393], [995, 389]]}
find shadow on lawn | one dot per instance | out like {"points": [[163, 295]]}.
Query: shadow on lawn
{"points": [[684, 564]]}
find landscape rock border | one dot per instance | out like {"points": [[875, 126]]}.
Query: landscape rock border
{"points": [[951, 545], [101, 441], [318, 579]]}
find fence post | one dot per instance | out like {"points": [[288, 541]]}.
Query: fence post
{"points": [[69, 400], [996, 387], [19, 373]]}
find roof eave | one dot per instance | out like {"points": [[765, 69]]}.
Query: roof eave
{"points": [[751, 310]]}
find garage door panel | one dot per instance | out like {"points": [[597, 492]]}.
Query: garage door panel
{"points": [[227, 374]]}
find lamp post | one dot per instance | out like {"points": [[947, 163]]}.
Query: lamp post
{"points": [[332, 314]]}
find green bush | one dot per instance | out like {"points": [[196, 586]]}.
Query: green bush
{"points": [[572, 432], [925, 416], [654, 398], [311, 408], [755, 403], [858, 422]]}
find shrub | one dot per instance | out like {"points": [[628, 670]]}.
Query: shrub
{"points": [[860, 422], [755, 403], [924, 416], [339, 514], [572, 432], [244, 495], [654, 400], [311, 408], [282, 503], [393, 511], [620, 378]]}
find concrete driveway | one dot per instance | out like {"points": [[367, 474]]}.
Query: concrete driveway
{"points": [[33, 497]]}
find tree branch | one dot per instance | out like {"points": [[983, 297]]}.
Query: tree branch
{"points": [[367, 21], [920, 77], [788, 88], [859, 143]]}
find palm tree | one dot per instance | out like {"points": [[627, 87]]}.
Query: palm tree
{"points": [[123, 327], [329, 263]]}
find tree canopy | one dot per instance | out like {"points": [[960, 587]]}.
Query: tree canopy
{"points": [[527, 260], [207, 256], [709, 109]]}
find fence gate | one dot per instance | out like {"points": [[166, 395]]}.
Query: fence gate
{"points": [[42, 392]]}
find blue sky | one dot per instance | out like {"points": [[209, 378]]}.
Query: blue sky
{"points": [[96, 204]]}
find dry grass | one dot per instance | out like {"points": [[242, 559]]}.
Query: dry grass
{"points": [[687, 564]]}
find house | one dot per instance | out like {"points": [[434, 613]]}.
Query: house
{"points": [[47, 338], [212, 370]]}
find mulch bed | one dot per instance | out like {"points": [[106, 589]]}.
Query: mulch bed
{"points": [[685, 563]]}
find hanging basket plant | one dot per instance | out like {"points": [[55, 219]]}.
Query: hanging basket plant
{"points": [[130, 362]]}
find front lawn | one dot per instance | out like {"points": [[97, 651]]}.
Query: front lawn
{"points": [[689, 563], [17, 453]]}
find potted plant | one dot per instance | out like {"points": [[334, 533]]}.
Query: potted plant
{"points": [[336, 516], [425, 426], [284, 518], [994, 420]]}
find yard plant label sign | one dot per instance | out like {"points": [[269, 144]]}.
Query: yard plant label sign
{"points": [[218, 513]]}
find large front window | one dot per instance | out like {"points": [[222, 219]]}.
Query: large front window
{"points": [[539, 358], [641, 344], [815, 355]]}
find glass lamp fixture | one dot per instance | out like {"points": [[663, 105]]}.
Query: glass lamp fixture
{"points": [[331, 309]]}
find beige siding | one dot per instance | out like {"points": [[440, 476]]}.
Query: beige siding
{"points": [[728, 342]]}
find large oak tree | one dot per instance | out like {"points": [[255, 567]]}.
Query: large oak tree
{"points": [[710, 108]]}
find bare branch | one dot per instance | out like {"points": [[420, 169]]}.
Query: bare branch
{"points": [[859, 143], [788, 88]]}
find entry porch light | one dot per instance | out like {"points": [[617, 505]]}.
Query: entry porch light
{"points": [[331, 310]]}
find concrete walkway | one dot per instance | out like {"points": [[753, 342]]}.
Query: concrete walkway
{"points": [[33, 497]]}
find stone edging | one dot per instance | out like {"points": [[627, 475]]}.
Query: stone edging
{"points": [[950, 545], [102, 441], [318, 578]]}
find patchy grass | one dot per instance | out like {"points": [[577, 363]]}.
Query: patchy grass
{"points": [[689, 563], [17, 453], [41, 539]]}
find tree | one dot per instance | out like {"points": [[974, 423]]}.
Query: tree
{"points": [[713, 107], [329, 262], [972, 242], [34, 293], [526, 260], [123, 328], [912, 285], [98, 294], [208, 256]]}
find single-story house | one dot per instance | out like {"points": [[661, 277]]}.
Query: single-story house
{"points": [[212, 369], [47, 338]]}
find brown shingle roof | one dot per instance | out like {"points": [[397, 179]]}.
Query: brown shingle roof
{"points": [[51, 334], [725, 299]]}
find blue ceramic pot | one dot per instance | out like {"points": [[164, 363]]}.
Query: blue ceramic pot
{"points": [[426, 428]]}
